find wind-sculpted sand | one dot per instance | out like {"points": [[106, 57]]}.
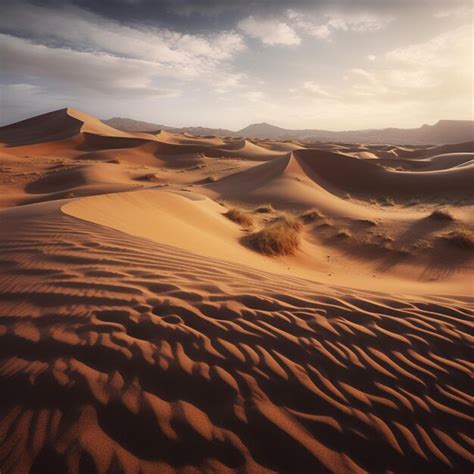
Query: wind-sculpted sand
{"points": [[139, 333]]}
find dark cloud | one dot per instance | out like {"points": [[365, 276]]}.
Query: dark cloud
{"points": [[208, 15]]}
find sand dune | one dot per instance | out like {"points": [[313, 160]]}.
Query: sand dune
{"points": [[307, 178], [140, 332], [149, 361], [58, 125]]}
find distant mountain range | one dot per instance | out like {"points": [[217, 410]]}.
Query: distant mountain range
{"points": [[443, 132]]}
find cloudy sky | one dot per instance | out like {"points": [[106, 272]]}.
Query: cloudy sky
{"points": [[227, 63]]}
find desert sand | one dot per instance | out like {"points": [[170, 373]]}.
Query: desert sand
{"points": [[142, 331]]}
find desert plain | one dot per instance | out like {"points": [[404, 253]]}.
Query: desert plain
{"points": [[180, 303]]}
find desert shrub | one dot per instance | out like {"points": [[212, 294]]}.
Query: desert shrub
{"points": [[149, 177], [412, 202], [442, 215], [386, 201], [240, 216], [366, 222], [343, 234], [281, 236], [311, 216], [288, 221], [264, 209], [461, 238], [211, 179]]}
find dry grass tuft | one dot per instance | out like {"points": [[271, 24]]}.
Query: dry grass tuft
{"points": [[281, 236], [241, 217], [366, 222], [386, 201], [264, 209], [442, 215], [343, 234], [311, 216], [412, 202], [149, 177], [288, 221], [461, 238]]}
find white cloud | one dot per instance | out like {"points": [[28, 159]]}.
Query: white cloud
{"points": [[173, 54], [456, 11], [417, 83], [370, 77], [330, 23], [371, 57], [98, 72], [443, 50], [269, 31], [317, 90]]}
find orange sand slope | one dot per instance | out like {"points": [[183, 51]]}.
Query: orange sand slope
{"points": [[139, 332]]}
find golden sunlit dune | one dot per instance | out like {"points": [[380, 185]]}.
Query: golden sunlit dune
{"points": [[149, 323]]}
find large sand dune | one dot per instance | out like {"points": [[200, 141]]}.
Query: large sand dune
{"points": [[139, 332]]}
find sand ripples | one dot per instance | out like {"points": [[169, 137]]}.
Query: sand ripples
{"points": [[117, 353]]}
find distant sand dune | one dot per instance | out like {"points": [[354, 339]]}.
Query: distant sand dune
{"points": [[300, 178]]}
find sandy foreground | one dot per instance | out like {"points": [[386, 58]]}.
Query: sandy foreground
{"points": [[140, 333]]}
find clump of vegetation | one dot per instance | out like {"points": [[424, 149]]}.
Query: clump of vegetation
{"points": [[343, 234], [241, 217], [461, 238], [288, 221], [264, 209], [281, 236], [412, 202], [442, 215], [366, 222], [149, 177], [386, 201], [311, 216]]}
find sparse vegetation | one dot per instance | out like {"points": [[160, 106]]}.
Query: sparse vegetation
{"points": [[289, 221], [264, 209], [386, 201], [343, 234], [412, 202], [241, 217], [281, 236], [366, 222], [442, 215], [311, 216], [149, 177], [460, 238]]}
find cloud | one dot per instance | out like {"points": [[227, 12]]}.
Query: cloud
{"points": [[173, 54], [370, 77], [438, 70], [359, 22], [269, 31], [317, 90], [456, 11], [98, 72], [443, 50]]}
